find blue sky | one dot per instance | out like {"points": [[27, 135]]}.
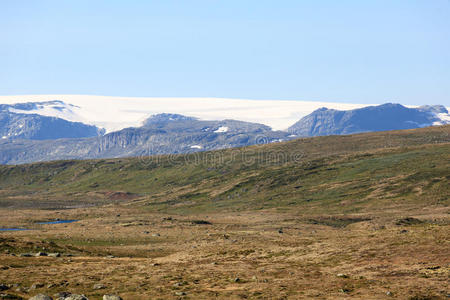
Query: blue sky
{"points": [[369, 51]]}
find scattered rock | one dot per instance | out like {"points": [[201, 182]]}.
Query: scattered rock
{"points": [[404, 231], [180, 293], [64, 283], [62, 295], [342, 275], [10, 297], [408, 221], [99, 286], [111, 297], [22, 290], [76, 297], [41, 297], [25, 255], [110, 256], [37, 286], [389, 293], [4, 287], [54, 254], [280, 230], [41, 254], [201, 222], [51, 285], [237, 279], [156, 234]]}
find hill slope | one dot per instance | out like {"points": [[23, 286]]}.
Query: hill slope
{"points": [[336, 173]]}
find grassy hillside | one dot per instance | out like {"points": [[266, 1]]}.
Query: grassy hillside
{"points": [[335, 173], [340, 217]]}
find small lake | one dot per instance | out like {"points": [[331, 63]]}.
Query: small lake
{"points": [[12, 229], [57, 222], [40, 223]]}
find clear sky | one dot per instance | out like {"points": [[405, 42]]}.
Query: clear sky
{"points": [[360, 51]]}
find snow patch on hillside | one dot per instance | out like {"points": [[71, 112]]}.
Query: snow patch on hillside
{"points": [[222, 129]]}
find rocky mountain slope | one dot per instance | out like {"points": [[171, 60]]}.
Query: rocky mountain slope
{"points": [[15, 123], [30, 132], [160, 134], [388, 116]]}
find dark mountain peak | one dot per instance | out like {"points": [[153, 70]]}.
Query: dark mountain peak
{"points": [[23, 121], [389, 105], [323, 109]]}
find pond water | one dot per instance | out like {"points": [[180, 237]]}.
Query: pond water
{"points": [[40, 223], [57, 222]]}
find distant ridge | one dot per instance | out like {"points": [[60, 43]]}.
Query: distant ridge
{"points": [[384, 117], [15, 124]]}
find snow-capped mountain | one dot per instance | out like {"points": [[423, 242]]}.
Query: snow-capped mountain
{"points": [[17, 123], [115, 113], [55, 129], [388, 116], [161, 134]]}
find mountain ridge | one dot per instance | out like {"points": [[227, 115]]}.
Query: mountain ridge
{"points": [[389, 116], [17, 125]]}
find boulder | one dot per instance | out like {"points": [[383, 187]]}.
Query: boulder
{"points": [[62, 295], [10, 297], [3, 287], [37, 286], [99, 286], [41, 297], [76, 297], [112, 297]]}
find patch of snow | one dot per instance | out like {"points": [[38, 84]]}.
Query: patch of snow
{"points": [[222, 129], [4, 137], [196, 147], [445, 118]]}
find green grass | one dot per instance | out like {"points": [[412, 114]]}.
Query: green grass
{"points": [[335, 174]]}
